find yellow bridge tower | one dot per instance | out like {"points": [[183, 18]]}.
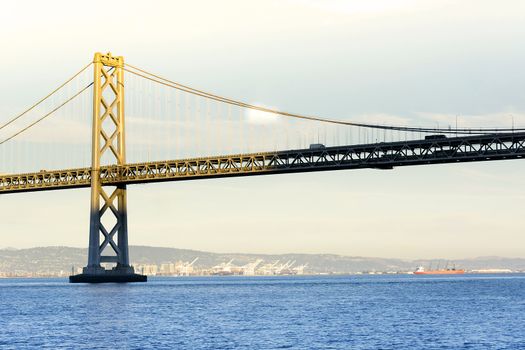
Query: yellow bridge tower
{"points": [[108, 216]]}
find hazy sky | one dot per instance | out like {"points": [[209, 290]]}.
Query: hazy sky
{"points": [[400, 61]]}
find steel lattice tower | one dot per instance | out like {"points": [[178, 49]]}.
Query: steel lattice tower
{"points": [[108, 147]]}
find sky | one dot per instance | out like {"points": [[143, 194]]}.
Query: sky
{"points": [[398, 61]]}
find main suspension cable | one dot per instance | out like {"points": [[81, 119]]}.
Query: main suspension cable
{"points": [[46, 115], [163, 81], [45, 98]]}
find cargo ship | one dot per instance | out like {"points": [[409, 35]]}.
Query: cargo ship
{"points": [[453, 271]]}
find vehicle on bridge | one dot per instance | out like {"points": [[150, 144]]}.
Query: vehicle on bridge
{"points": [[435, 137]]}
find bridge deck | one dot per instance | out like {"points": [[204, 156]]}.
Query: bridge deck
{"points": [[384, 155]]}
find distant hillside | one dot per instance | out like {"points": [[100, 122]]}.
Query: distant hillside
{"points": [[55, 259]]}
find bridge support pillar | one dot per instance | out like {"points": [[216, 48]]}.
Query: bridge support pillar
{"points": [[108, 215]]}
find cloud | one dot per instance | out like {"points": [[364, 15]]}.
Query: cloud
{"points": [[262, 118]]}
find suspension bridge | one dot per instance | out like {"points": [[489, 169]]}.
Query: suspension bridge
{"points": [[80, 136]]}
